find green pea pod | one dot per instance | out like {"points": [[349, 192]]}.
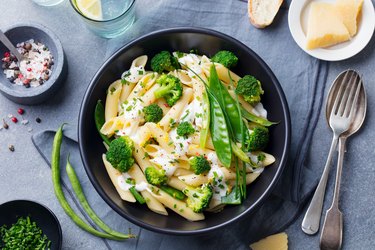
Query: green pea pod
{"points": [[227, 103], [77, 188], [100, 120], [260, 120], [55, 166], [206, 120], [219, 132], [175, 193], [239, 153], [233, 198]]}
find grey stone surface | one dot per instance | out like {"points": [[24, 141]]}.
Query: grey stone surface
{"points": [[24, 173]]}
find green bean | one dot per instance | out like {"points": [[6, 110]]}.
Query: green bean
{"points": [[100, 120], [175, 193], [137, 195], [77, 188], [219, 132], [206, 120], [55, 165], [227, 103]]}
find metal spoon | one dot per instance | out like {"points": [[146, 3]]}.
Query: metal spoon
{"points": [[340, 121], [4, 39], [331, 237]]}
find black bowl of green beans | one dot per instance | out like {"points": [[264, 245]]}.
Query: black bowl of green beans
{"points": [[206, 42], [27, 224]]}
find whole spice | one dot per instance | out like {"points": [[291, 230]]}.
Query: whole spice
{"points": [[14, 119], [20, 111], [5, 125], [38, 120], [11, 148]]}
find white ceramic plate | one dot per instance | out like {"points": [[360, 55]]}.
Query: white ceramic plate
{"points": [[297, 18]]}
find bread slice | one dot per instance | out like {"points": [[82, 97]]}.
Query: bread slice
{"points": [[262, 12]]}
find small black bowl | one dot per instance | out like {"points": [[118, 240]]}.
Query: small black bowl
{"points": [[207, 42], [34, 95], [11, 211]]}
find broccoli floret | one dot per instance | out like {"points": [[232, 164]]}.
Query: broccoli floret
{"points": [[170, 88], [198, 198], [199, 164], [226, 58], [185, 129], [258, 139], [120, 153], [250, 89], [164, 61], [155, 176], [153, 113]]}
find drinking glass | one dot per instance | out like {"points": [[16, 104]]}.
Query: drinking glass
{"points": [[117, 17], [48, 2]]}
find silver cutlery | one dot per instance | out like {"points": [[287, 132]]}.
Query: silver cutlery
{"points": [[331, 237], [344, 87]]}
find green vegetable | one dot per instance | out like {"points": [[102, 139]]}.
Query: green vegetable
{"points": [[77, 188], [185, 129], [240, 153], [153, 113], [175, 193], [120, 153], [170, 88], [100, 120], [24, 234], [164, 61], [205, 120], [233, 198], [199, 198], [261, 157], [220, 136], [227, 103], [258, 139], [137, 195], [155, 176], [257, 119], [226, 58], [199, 164], [55, 165], [250, 89]]}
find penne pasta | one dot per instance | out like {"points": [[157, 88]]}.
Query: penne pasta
{"points": [[112, 100]]}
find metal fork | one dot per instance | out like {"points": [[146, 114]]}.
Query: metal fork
{"points": [[340, 119]]}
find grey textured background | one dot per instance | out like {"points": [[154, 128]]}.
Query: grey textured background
{"points": [[25, 175]]}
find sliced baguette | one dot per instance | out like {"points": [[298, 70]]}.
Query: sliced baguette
{"points": [[262, 12]]}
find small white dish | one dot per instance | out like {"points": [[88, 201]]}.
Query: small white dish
{"points": [[297, 19]]}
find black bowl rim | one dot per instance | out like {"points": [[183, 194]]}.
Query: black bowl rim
{"points": [[215, 33], [58, 69], [56, 221]]}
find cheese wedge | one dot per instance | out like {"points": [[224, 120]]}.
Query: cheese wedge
{"points": [[325, 26], [273, 242], [349, 11]]}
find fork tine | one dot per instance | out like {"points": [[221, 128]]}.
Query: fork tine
{"points": [[338, 97], [351, 97], [355, 100], [345, 96]]}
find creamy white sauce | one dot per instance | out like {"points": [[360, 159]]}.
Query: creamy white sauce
{"points": [[181, 144], [141, 186], [192, 61], [217, 176], [261, 110], [121, 181], [132, 111], [165, 161], [134, 74]]}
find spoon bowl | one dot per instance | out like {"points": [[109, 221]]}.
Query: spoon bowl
{"points": [[360, 110]]}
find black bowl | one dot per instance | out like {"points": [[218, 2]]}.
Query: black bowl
{"points": [[206, 42], [11, 211], [34, 95]]}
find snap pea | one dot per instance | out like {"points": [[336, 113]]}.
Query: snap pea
{"points": [[239, 153], [175, 193], [100, 120], [206, 120], [219, 132], [137, 195], [257, 119], [227, 103], [77, 188], [233, 198], [55, 166]]}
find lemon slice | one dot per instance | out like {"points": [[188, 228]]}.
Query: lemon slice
{"points": [[90, 8]]}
